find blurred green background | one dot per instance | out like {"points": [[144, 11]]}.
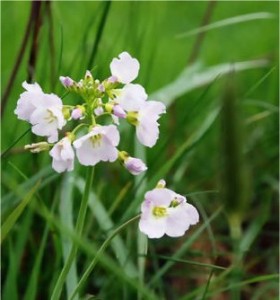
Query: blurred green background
{"points": [[218, 143]]}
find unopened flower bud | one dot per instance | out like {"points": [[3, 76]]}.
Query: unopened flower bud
{"points": [[135, 165], [119, 112], [37, 147], [66, 112], [88, 75], [161, 184], [77, 113], [66, 81], [99, 111], [101, 88], [109, 107]]}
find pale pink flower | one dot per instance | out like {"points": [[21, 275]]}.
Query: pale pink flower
{"points": [[98, 145], [166, 212], [43, 111], [29, 100], [125, 68], [135, 165], [63, 156]]}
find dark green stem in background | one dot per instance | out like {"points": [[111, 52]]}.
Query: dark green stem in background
{"points": [[200, 37], [99, 34]]}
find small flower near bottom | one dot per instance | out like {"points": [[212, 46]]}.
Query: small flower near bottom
{"points": [[63, 156], [166, 212], [98, 145]]}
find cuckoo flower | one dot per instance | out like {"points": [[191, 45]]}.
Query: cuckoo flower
{"points": [[98, 145], [166, 212], [125, 68], [43, 111], [63, 156]]}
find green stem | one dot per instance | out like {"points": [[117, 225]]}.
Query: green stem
{"points": [[100, 251], [79, 228]]}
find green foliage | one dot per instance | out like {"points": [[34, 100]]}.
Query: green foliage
{"points": [[218, 135]]}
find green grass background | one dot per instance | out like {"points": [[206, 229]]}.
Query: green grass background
{"points": [[191, 154]]}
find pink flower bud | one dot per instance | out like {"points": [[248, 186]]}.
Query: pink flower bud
{"points": [[76, 114], [88, 74], [101, 88], [135, 165], [119, 112], [99, 111], [66, 81]]}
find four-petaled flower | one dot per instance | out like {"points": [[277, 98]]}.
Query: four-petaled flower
{"points": [[166, 212], [98, 145], [43, 111], [63, 156]]}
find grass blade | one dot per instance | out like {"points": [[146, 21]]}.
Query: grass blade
{"points": [[195, 76], [227, 22], [13, 217], [66, 217]]}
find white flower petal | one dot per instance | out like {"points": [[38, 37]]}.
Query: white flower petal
{"points": [[98, 145], [125, 68], [131, 97], [86, 155], [160, 197], [111, 132], [177, 222], [153, 228], [192, 213], [147, 132], [32, 87]]}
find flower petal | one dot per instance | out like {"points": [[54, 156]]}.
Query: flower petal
{"points": [[125, 68], [153, 227], [131, 97]]}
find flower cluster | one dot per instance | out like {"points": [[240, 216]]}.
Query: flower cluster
{"points": [[116, 97], [166, 212], [163, 211]]}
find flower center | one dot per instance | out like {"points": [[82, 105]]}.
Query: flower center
{"points": [[159, 211], [50, 117], [132, 118], [96, 140]]}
